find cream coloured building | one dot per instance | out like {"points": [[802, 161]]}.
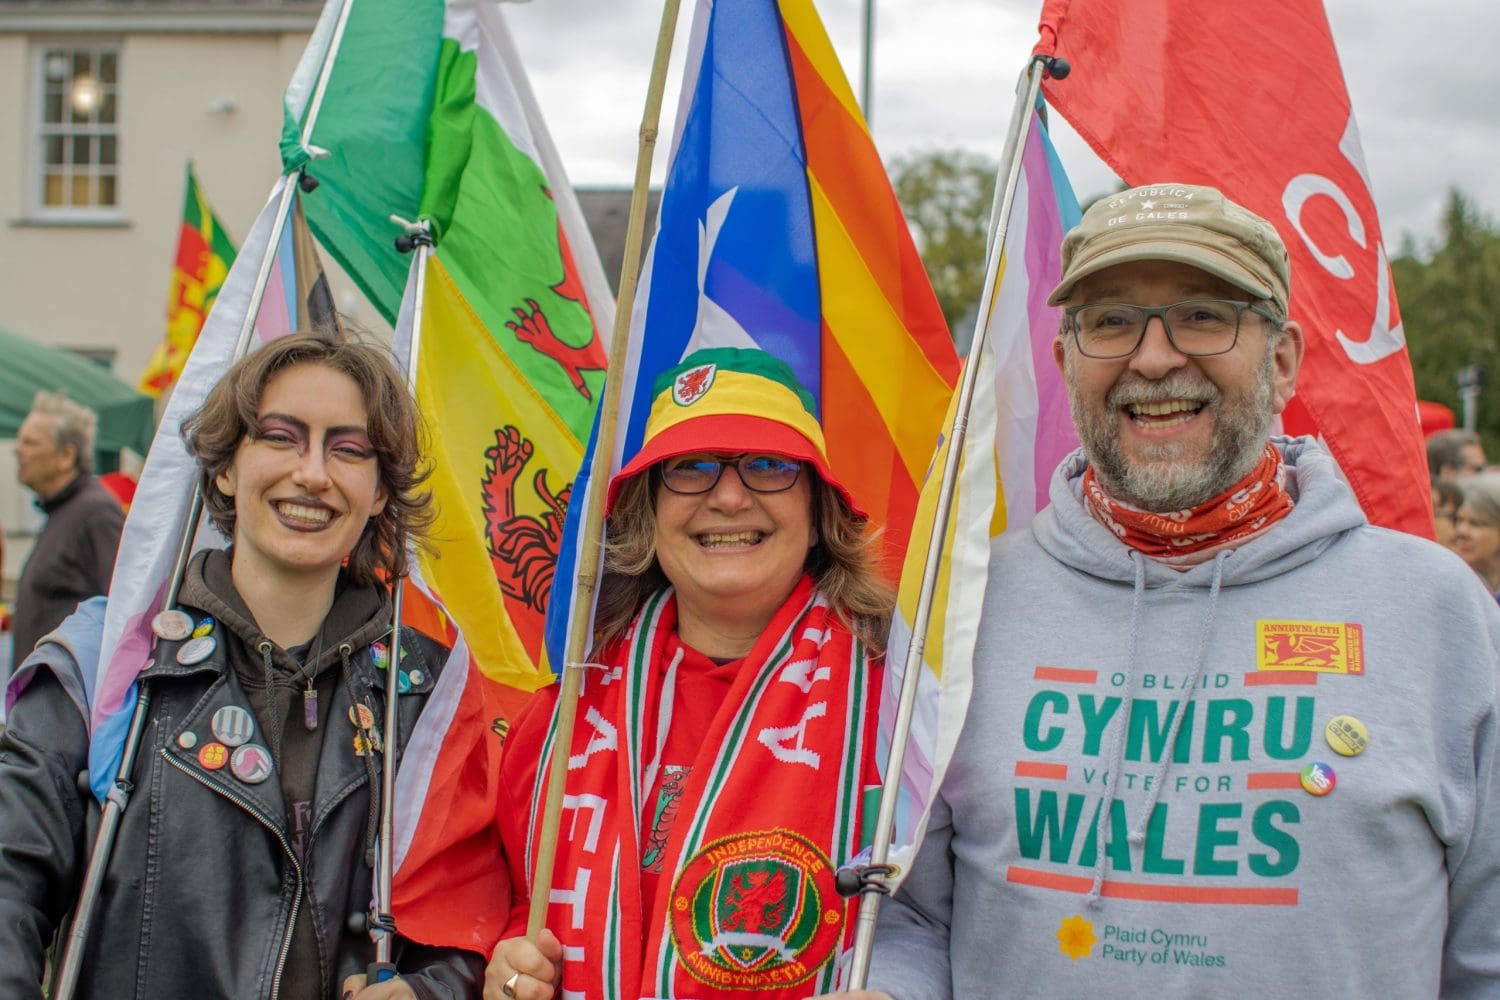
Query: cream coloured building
{"points": [[102, 104]]}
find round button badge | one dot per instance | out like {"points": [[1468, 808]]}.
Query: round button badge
{"points": [[213, 756], [196, 650], [233, 725], [1347, 735], [251, 764], [173, 626], [1318, 778]]}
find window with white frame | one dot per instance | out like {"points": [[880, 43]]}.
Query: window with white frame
{"points": [[78, 130]]}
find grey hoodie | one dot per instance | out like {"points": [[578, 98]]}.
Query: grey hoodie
{"points": [[1223, 873]]}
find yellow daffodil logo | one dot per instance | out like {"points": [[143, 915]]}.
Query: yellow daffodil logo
{"points": [[1075, 937]]}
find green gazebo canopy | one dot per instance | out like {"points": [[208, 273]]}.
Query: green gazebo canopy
{"points": [[127, 418]]}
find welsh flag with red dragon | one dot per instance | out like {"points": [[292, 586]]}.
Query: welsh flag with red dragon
{"points": [[428, 115]]}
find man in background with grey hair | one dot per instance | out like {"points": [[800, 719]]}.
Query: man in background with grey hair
{"points": [[75, 552]]}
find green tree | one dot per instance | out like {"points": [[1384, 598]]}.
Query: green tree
{"points": [[946, 195], [1450, 308]]}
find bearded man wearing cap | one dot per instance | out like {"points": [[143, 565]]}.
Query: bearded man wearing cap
{"points": [[725, 740], [1226, 738]]}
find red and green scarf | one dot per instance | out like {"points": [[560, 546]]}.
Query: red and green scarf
{"points": [[771, 807]]}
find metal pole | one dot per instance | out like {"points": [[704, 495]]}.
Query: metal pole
{"points": [[874, 881], [592, 536], [867, 65], [383, 927]]}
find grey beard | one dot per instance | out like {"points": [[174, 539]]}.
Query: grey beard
{"points": [[1166, 480]]}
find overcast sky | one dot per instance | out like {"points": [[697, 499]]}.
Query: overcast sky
{"points": [[1423, 78]]}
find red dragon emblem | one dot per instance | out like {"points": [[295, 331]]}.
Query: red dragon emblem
{"points": [[758, 901], [1302, 650], [692, 384], [532, 327], [523, 548]]}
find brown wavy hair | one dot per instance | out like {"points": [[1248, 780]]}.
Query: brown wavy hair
{"points": [[231, 413], [843, 563]]}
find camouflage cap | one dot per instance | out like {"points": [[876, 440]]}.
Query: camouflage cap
{"points": [[1185, 223]]}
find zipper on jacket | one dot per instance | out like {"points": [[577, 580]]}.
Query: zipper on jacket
{"points": [[249, 807]]}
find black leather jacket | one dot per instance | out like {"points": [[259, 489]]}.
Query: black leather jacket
{"points": [[203, 888]]}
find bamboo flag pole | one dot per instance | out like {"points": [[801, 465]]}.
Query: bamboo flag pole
{"points": [[115, 802], [873, 879], [591, 537]]}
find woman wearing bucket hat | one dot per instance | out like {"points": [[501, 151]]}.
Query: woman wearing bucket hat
{"points": [[725, 736]]}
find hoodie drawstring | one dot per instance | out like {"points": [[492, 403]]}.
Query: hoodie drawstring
{"points": [[273, 714], [1137, 834]]}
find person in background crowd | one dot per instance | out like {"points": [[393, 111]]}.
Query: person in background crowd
{"points": [[1476, 529], [1455, 454], [1447, 496], [75, 552], [1226, 738], [242, 867], [725, 739]]}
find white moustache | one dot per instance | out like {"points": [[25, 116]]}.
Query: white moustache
{"points": [[1133, 389]]}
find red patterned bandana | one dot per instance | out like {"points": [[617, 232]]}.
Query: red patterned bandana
{"points": [[1188, 537]]}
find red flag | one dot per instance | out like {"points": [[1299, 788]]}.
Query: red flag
{"points": [[1249, 98]]}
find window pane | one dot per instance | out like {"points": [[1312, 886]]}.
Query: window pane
{"points": [[77, 141], [84, 101]]}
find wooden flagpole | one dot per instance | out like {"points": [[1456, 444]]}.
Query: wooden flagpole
{"points": [[591, 538]]}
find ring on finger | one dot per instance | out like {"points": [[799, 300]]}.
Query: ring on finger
{"points": [[509, 989]]}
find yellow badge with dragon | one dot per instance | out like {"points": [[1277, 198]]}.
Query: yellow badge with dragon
{"points": [[1310, 647]]}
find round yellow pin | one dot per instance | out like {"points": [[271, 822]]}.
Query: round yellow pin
{"points": [[1347, 735]]}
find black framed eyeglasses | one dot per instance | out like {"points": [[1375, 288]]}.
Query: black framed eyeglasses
{"points": [[1196, 327], [693, 474]]}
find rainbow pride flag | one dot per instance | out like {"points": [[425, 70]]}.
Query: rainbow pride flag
{"points": [[1019, 430], [778, 229]]}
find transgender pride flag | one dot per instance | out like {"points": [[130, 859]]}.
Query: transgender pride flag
{"points": [[1019, 430], [778, 229], [149, 544]]}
